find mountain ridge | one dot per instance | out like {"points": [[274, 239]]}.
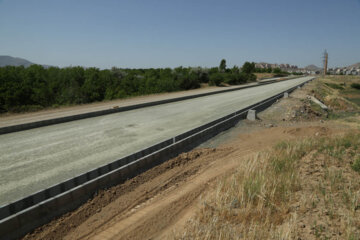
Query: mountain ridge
{"points": [[312, 67], [356, 65], [6, 60]]}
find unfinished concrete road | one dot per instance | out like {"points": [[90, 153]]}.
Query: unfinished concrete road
{"points": [[13, 119], [36, 159]]}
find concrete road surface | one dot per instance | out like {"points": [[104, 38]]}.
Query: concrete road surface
{"points": [[39, 158]]}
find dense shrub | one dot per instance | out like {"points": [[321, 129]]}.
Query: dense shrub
{"points": [[355, 85], [36, 87], [216, 79], [335, 86]]}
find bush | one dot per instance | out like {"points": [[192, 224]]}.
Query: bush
{"points": [[356, 165], [189, 82], [297, 73], [36, 87], [234, 79], [216, 79], [27, 108], [250, 77], [356, 86], [277, 70], [281, 75], [334, 86], [248, 67]]}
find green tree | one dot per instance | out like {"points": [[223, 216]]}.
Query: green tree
{"points": [[222, 66], [216, 79], [93, 88], [235, 69], [277, 70], [248, 67]]}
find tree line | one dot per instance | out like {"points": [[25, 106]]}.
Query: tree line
{"points": [[36, 87]]}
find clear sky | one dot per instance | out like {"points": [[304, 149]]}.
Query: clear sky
{"points": [[170, 33]]}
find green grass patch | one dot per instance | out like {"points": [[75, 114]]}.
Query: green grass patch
{"points": [[356, 86], [339, 115], [316, 108], [354, 100], [352, 91], [356, 165], [334, 86]]}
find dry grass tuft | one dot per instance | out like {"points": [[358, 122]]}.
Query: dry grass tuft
{"points": [[298, 190]]}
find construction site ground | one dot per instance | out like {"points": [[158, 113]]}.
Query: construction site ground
{"points": [[159, 203]]}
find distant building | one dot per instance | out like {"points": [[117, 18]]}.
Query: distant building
{"points": [[283, 66]]}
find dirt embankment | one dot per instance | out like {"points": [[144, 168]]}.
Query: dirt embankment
{"points": [[158, 203]]}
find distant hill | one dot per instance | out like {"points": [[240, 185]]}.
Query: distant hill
{"points": [[312, 68], [13, 61]]}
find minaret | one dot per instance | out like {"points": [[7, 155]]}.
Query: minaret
{"points": [[325, 62]]}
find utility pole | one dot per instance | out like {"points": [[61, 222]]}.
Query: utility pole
{"points": [[325, 61]]}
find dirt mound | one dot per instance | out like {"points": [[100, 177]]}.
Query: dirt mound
{"points": [[295, 108], [184, 158], [308, 111]]}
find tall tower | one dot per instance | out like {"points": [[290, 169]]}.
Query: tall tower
{"points": [[325, 61]]}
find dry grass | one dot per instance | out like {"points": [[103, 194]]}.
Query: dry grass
{"points": [[336, 92], [342, 99], [260, 76], [298, 190], [307, 189]]}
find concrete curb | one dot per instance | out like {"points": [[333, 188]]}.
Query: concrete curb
{"points": [[24, 215], [48, 122]]}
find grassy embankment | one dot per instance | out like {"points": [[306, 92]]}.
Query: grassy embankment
{"points": [[341, 94], [308, 189]]}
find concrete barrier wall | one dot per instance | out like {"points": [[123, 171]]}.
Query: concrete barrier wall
{"points": [[55, 190], [43, 123], [26, 214]]}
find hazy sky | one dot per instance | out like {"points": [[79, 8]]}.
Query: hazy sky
{"points": [[170, 33]]}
